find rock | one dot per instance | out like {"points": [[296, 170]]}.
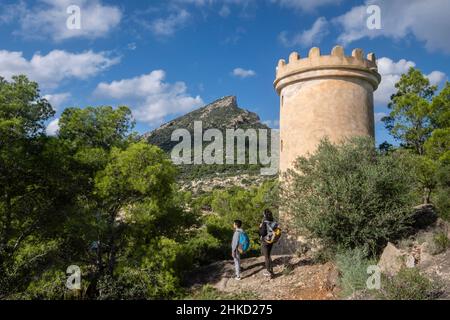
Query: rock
{"points": [[410, 261], [425, 253], [393, 260]]}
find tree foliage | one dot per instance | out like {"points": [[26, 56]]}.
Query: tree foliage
{"points": [[93, 196], [409, 120], [34, 186], [420, 121]]}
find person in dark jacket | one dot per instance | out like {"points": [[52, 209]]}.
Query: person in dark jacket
{"points": [[266, 248]]}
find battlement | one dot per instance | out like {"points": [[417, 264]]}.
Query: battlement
{"points": [[337, 62]]}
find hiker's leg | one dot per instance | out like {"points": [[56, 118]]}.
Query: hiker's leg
{"points": [[269, 252], [237, 264], [265, 251]]}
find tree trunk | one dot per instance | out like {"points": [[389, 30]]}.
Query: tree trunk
{"points": [[426, 196], [6, 232]]}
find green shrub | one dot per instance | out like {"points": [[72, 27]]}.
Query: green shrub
{"points": [[323, 255], [408, 284], [139, 284], [51, 285], [352, 266], [199, 250], [351, 195], [208, 292], [440, 196], [439, 243], [442, 202]]}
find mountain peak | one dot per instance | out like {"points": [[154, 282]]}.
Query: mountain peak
{"points": [[223, 113], [224, 102]]}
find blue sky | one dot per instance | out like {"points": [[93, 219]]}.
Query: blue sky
{"points": [[165, 58]]}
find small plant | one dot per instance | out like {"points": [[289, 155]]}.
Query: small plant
{"points": [[352, 266], [324, 254], [406, 244], [302, 248], [288, 269], [208, 292], [409, 284], [439, 243]]}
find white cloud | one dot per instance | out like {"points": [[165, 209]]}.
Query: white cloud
{"points": [[391, 72], [48, 18], [274, 124], [154, 98], [49, 70], [168, 26], [436, 77], [399, 18], [379, 116], [53, 128], [11, 12], [305, 5], [132, 46], [224, 11], [306, 38], [236, 37], [57, 100], [202, 3], [243, 73]]}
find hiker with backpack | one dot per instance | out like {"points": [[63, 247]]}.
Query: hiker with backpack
{"points": [[270, 233], [239, 245]]}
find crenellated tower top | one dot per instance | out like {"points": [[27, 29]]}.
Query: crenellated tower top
{"points": [[337, 64]]}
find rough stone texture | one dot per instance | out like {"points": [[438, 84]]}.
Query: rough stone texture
{"points": [[393, 260], [295, 279], [425, 253], [437, 268], [417, 252]]}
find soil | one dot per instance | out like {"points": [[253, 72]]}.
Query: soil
{"points": [[294, 279]]}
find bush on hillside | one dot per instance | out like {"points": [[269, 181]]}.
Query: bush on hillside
{"points": [[352, 266], [351, 195], [208, 292], [409, 284]]}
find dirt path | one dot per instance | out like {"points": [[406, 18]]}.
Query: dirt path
{"points": [[295, 279]]}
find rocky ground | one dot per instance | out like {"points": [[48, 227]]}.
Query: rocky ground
{"points": [[424, 252], [295, 279], [301, 278]]}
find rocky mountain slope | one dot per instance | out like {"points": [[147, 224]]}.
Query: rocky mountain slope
{"points": [[221, 114]]}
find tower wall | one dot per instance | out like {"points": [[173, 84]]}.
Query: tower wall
{"points": [[324, 96]]}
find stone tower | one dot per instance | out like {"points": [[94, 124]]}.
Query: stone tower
{"points": [[324, 95]]}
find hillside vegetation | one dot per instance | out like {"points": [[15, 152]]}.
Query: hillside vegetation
{"points": [[98, 199]]}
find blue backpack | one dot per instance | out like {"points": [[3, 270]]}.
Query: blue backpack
{"points": [[244, 242]]}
